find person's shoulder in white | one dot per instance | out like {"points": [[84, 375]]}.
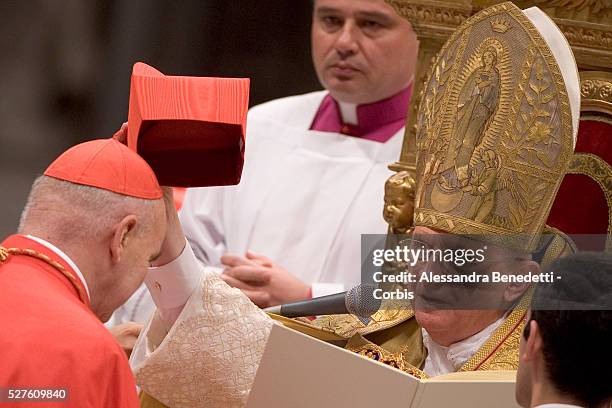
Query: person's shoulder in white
{"points": [[287, 109]]}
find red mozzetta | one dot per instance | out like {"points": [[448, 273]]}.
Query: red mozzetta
{"points": [[50, 339]]}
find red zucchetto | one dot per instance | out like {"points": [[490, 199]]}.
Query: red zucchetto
{"points": [[107, 164]]}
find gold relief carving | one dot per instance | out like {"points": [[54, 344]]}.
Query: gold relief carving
{"points": [[421, 15], [399, 202], [432, 137], [589, 14], [544, 88], [473, 110], [593, 5], [596, 89], [500, 25], [531, 140], [428, 53], [494, 130], [589, 37]]}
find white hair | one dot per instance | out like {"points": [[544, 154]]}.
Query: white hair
{"points": [[71, 211]]}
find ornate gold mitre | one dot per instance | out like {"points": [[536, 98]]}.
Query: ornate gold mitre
{"points": [[496, 127]]}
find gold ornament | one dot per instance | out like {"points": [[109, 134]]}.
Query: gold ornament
{"points": [[399, 202], [500, 25], [494, 132]]}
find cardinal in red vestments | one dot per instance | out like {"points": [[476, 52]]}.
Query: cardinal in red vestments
{"points": [[93, 223]]}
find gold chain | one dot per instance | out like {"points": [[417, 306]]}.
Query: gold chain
{"points": [[6, 252], [3, 254]]}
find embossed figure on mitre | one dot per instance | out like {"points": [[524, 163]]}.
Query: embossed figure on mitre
{"points": [[483, 185], [476, 107], [497, 126]]}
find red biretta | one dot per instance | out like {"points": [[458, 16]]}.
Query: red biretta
{"points": [[191, 130]]}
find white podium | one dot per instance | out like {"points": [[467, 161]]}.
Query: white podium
{"points": [[298, 371]]}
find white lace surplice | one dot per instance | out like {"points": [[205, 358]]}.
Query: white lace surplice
{"points": [[210, 355]]}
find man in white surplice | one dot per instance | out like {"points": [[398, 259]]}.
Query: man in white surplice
{"points": [[315, 167]]}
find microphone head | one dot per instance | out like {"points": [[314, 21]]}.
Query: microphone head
{"points": [[360, 300]]}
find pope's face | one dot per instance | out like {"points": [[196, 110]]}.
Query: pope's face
{"points": [[447, 311], [362, 50]]}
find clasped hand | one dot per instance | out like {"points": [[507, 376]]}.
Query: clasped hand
{"points": [[264, 282]]}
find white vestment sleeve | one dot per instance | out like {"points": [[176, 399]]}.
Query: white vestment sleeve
{"points": [[210, 354], [172, 284]]}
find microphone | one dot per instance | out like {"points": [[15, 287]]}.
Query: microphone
{"points": [[359, 301]]}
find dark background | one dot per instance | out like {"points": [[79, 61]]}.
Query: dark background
{"points": [[65, 67]]}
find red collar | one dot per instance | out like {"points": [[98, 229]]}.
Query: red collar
{"points": [[377, 121]]}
